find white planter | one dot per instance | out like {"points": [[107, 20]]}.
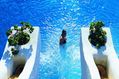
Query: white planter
{"points": [[26, 55], [90, 56]]}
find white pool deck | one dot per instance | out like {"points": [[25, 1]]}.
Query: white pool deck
{"points": [[89, 68], [28, 52]]}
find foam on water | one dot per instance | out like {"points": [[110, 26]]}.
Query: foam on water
{"points": [[60, 62]]}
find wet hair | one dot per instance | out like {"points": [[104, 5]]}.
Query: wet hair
{"points": [[63, 33]]}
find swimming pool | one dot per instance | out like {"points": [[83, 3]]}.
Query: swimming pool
{"points": [[52, 16]]}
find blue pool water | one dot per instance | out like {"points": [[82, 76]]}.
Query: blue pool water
{"points": [[52, 16]]}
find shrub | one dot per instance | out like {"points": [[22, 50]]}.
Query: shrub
{"points": [[9, 32], [14, 51], [22, 38], [97, 36], [19, 35]]}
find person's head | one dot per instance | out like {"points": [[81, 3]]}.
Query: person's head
{"points": [[63, 33]]}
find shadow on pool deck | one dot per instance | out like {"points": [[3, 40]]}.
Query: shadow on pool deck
{"points": [[17, 71]]}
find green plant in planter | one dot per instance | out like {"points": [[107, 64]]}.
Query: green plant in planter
{"points": [[14, 51], [97, 36], [9, 32], [19, 36]]}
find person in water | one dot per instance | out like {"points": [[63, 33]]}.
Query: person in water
{"points": [[63, 37]]}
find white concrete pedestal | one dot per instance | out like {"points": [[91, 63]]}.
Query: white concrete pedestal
{"points": [[27, 55], [90, 56]]}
